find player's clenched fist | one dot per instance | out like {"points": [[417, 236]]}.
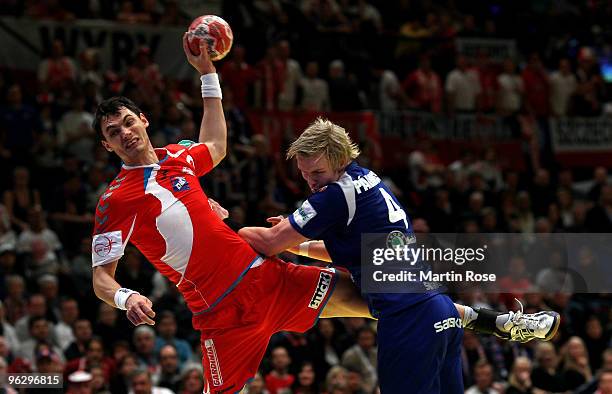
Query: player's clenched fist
{"points": [[139, 310]]}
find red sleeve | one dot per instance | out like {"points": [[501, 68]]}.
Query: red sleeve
{"points": [[112, 230], [202, 160]]}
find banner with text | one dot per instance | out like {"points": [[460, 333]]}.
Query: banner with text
{"points": [[582, 141], [24, 43]]}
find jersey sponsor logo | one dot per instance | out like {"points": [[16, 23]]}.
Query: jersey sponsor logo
{"points": [[323, 285], [103, 244], [303, 214], [451, 322], [213, 362], [179, 183]]}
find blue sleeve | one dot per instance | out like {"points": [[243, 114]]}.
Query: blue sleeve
{"points": [[320, 212]]}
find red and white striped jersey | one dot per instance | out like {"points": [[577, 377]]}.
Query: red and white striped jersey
{"points": [[162, 210]]}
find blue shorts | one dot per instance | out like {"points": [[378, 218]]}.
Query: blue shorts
{"points": [[419, 349]]}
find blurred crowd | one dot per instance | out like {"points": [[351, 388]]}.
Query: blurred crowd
{"points": [[54, 169]]}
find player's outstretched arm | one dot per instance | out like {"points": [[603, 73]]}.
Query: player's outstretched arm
{"points": [[272, 240], [213, 130], [313, 249], [108, 290]]}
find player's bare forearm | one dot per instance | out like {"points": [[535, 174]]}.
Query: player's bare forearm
{"points": [[259, 238], [104, 283], [139, 307], [313, 249], [273, 240], [213, 130]]}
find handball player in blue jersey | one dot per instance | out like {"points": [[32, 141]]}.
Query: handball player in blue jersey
{"points": [[414, 355]]}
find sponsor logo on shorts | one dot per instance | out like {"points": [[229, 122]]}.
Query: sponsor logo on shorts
{"points": [[213, 362], [451, 322], [323, 285]]}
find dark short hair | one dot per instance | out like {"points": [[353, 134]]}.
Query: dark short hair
{"points": [[112, 106]]}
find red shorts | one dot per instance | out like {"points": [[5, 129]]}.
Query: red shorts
{"points": [[275, 296]]}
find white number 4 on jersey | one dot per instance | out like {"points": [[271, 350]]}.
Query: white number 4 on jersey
{"points": [[396, 213]]}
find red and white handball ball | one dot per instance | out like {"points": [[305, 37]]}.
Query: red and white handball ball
{"points": [[217, 33]]}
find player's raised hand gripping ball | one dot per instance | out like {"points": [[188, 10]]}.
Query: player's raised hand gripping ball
{"points": [[215, 31]]}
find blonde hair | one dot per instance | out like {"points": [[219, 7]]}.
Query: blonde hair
{"points": [[323, 136]]}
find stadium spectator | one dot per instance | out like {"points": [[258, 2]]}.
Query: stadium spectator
{"points": [[362, 357], [120, 382], [315, 90], [562, 88], [94, 357], [483, 380], [546, 375], [36, 307], [520, 377], [141, 383], [595, 339], [597, 219], [590, 90], [57, 72], [108, 327], [537, 89], [329, 343], [257, 385], [423, 87], [306, 382], [193, 383], [462, 87], [510, 90], [69, 313], [343, 92], [7, 331], [82, 335], [487, 75], [21, 198], [168, 375], [388, 91], [39, 334], [279, 378], [98, 383], [15, 302], [74, 132], [238, 76], [287, 97], [144, 346], [605, 382], [576, 368], [166, 330], [271, 74], [4, 387]]}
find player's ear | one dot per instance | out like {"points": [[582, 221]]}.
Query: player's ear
{"points": [[144, 120], [106, 146]]}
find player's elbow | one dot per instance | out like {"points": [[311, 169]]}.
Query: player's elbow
{"points": [[218, 150]]}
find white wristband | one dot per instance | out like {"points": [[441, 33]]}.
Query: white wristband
{"points": [[211, 86], [304, 248], [121, 297]]}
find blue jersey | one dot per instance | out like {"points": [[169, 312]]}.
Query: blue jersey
{"points": [[358, 203]]}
